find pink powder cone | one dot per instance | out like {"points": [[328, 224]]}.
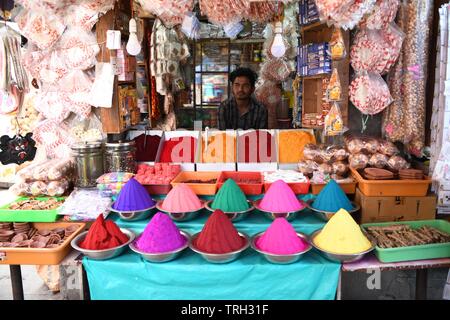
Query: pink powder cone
{"points": [[281, 199], [181, 199], [281, 238], [160, 235]]}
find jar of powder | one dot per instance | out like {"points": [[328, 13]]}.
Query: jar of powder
{"points": [[121, 157]]}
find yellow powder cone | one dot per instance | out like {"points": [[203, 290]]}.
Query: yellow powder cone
{"points": [[342, 235]]}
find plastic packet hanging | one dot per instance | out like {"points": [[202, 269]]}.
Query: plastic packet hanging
{"points": [[382, 14], [328, 8], [41, 28], [275, 70], [52, 105], [369, 93], [80, 16], [334, 89], [54, 137], [76, 88], [52, 68], [393, 38], [103, 87], [79, 48], [100, 6], [86, 129], [334, 124], [348, 18], [337, 45]]}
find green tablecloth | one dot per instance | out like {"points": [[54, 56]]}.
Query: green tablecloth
{"points": [[190, 277]]}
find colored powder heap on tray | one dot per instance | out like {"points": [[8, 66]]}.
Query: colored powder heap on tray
{"points": [[230, 198], [160, 235], [332, 198], [292, 143], [146, 147], [103, 235], [219, 235], [181, 199], [133, 197], [342, 235], [180, 149], [257, 146], [280, 198], [281, 238], [221, 148]]}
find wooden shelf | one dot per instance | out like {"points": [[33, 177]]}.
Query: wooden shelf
{"points": [[315, 25], [309, 126], [317, 76], [250, 40], [126, 82]]}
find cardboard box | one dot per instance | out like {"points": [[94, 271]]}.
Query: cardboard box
{"points": [[256, 166], [388, 209], [215, 166]]}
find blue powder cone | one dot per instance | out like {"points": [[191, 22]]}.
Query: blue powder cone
{"points": [[133, 197], [332, 198]]}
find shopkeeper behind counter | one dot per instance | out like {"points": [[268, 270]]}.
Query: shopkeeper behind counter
{"points": [[242, 110]]}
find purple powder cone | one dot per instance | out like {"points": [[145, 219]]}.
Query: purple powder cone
{"points": [[133, 197], [160, 235]]}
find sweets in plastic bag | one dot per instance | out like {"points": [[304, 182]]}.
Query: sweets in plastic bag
{"points": [[113, 177], [311, 151], [40, 28], [40, 188], [79, 49], [398, 163], [55, 138], [308, 167], [86, 129], [325, 168], [358, 161], [51, 105], [349, 17], [387, 148], [275, 70], [369, 93], [48, 170], [334, 89], [340, 168], [337, 45], [334, 124], [378, 160], [382, 14]]}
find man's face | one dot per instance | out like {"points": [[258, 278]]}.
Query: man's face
{"points": [[242, 88]]}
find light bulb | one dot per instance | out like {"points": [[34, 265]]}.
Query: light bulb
{"points": [[278, 49], [133, 44]]}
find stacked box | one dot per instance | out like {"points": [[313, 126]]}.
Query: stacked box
{"points": [[314, 59], [308, 12]]}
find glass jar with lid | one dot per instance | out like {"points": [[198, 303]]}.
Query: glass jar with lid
{"points": [[120, 157], [89, 163]]}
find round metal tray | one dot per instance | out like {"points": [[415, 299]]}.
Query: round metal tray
{"points": [[326, 215], [273, 215], [234, 216], [180, 216], [133, 215]]}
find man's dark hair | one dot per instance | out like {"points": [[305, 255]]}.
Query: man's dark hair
{"points": [[244, 72]]}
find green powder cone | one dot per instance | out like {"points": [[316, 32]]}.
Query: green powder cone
{"points": [[230, 198]]}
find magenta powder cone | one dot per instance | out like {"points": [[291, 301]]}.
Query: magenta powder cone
{"points": [[160, 235], [133, 197]]}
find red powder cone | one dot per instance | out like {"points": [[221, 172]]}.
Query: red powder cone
{"points": [[219, 235]]}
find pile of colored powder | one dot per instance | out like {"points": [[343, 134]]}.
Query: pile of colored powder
{"points": [[160, 235], [181, 199], [332, 198], [281, 238], [280, 199], [146, 147], [103, 235], [133, 197], [181, 149], [230, 198], [221, 148], [219, 235], [257, 146], [291, 145], [342, 235], [160, 173]]}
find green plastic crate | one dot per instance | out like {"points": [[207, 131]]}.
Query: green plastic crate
{"points": [[8, 215], [421, 252]]}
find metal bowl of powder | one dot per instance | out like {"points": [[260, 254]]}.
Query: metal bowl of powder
{"points": [[219, 257], [273, 215], [159, 257], [339, 257], [281, 258], [233, 216], [133, 215], [105, 253], [180, 216], [326, 215]]}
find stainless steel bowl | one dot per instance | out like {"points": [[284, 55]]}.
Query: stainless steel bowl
{"points": [[180, 216], [281, 258], [326, 215], [219, 257], [106, 253], [273, 215], [161, 256], [234, 216], [336, 257], [133, 215]]}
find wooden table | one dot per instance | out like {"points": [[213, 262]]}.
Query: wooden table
{"points": [[421, 266]]}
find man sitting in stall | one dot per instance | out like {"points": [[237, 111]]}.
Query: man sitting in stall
{"points": [[242, 110]]}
